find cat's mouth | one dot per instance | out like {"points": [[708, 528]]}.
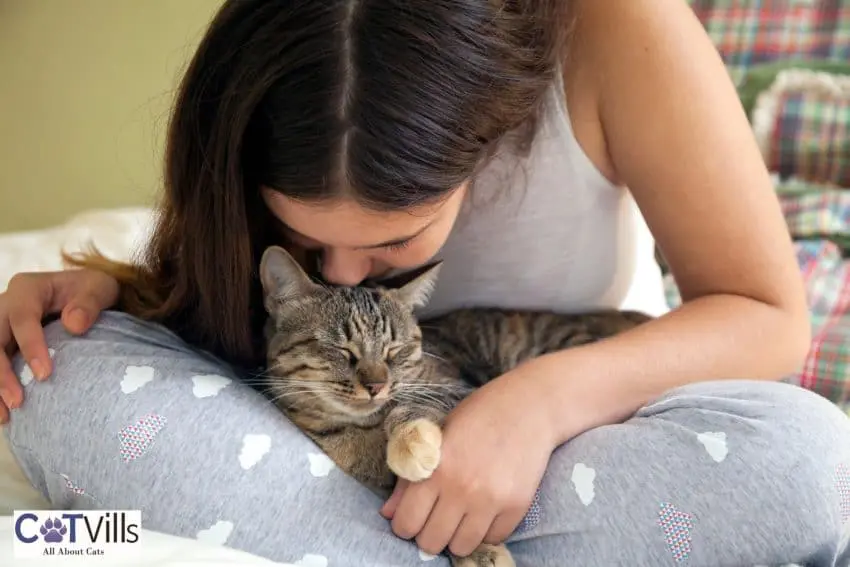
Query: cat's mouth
{"points": [[366, 405], [364, 400]]}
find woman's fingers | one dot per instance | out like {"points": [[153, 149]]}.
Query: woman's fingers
{"points": [[80, 296], [470, 534], [25, 316], [389, 507], [503, 526], [11, 393]]}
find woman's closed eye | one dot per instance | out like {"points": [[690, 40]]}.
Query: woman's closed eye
{"points": [[399, 246]]}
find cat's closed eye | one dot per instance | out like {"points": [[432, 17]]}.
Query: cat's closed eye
{"points": [[399, 351], [350, 355]]}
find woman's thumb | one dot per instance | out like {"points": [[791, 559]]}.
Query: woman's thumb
{"points": [[79, 316], [84, 307]]}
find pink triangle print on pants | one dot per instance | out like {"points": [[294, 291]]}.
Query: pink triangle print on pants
{"points": [[138, 438], [70, 485], [677, 526], [842, 485]]}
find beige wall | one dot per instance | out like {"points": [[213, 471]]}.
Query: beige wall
{"points": [[85, 87]]}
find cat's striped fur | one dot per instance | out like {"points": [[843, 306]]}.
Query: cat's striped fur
{"points": [[354, 370]]}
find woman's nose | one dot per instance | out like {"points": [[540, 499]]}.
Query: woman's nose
{"points": [[344, 267]]}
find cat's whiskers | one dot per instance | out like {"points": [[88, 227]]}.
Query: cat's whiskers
{"points": [[300, 396], [432, 385], [423, 398], [273, 381], [270, 378], [295, 380], [441, 389], [305, 386], [443, 394], [432, 355], [297, 393], [268, 369], [270, 381]]}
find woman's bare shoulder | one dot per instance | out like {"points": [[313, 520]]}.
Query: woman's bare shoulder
{"points": [[611, 43]]}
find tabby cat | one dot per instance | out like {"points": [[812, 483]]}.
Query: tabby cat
{"points": [[356, 372]]}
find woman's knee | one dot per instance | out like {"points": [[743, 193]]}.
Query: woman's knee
{"points": [[790, 441], [793, 418], [747, 459]]}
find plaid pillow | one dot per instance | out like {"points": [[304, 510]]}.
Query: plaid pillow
{"points": [[802, 123], [759, 78], [748, 32]]}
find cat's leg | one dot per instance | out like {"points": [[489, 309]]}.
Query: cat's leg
{"points": [[414, 441]]}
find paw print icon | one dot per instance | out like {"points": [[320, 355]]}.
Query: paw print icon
{"points": [[53, 530]]}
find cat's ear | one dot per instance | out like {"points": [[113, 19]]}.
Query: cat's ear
{"points": [[282, 277], [417, 292]]}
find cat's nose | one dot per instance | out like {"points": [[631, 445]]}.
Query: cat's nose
{"points": [[373, 377]]}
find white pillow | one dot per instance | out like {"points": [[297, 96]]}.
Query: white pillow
{"points": [[117, 233]]}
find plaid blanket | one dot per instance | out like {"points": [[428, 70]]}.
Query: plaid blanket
{"points": [[819, 219], [748, 32], [814, 211]]}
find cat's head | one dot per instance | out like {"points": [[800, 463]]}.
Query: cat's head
{"points": [[344, 350]]}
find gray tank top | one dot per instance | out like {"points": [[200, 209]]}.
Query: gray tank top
{"points": [[559, 235]]}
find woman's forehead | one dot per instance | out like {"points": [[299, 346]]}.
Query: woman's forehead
{"points": [[345, 223]]}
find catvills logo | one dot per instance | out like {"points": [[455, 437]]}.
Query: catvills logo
{"points": [[46, 533]]}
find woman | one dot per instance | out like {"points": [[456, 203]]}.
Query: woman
{"points": [[499, 136]]}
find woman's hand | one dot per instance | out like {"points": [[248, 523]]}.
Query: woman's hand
{"points": [[79, 295], [496, 446]]}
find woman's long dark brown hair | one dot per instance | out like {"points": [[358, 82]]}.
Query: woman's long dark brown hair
{"points": [[389, 102]]}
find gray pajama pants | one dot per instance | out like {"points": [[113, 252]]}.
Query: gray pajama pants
{"points": [[723, 473]]}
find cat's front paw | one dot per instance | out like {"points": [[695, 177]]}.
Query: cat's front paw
{"points": [[413, 451], [486, 555]]}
